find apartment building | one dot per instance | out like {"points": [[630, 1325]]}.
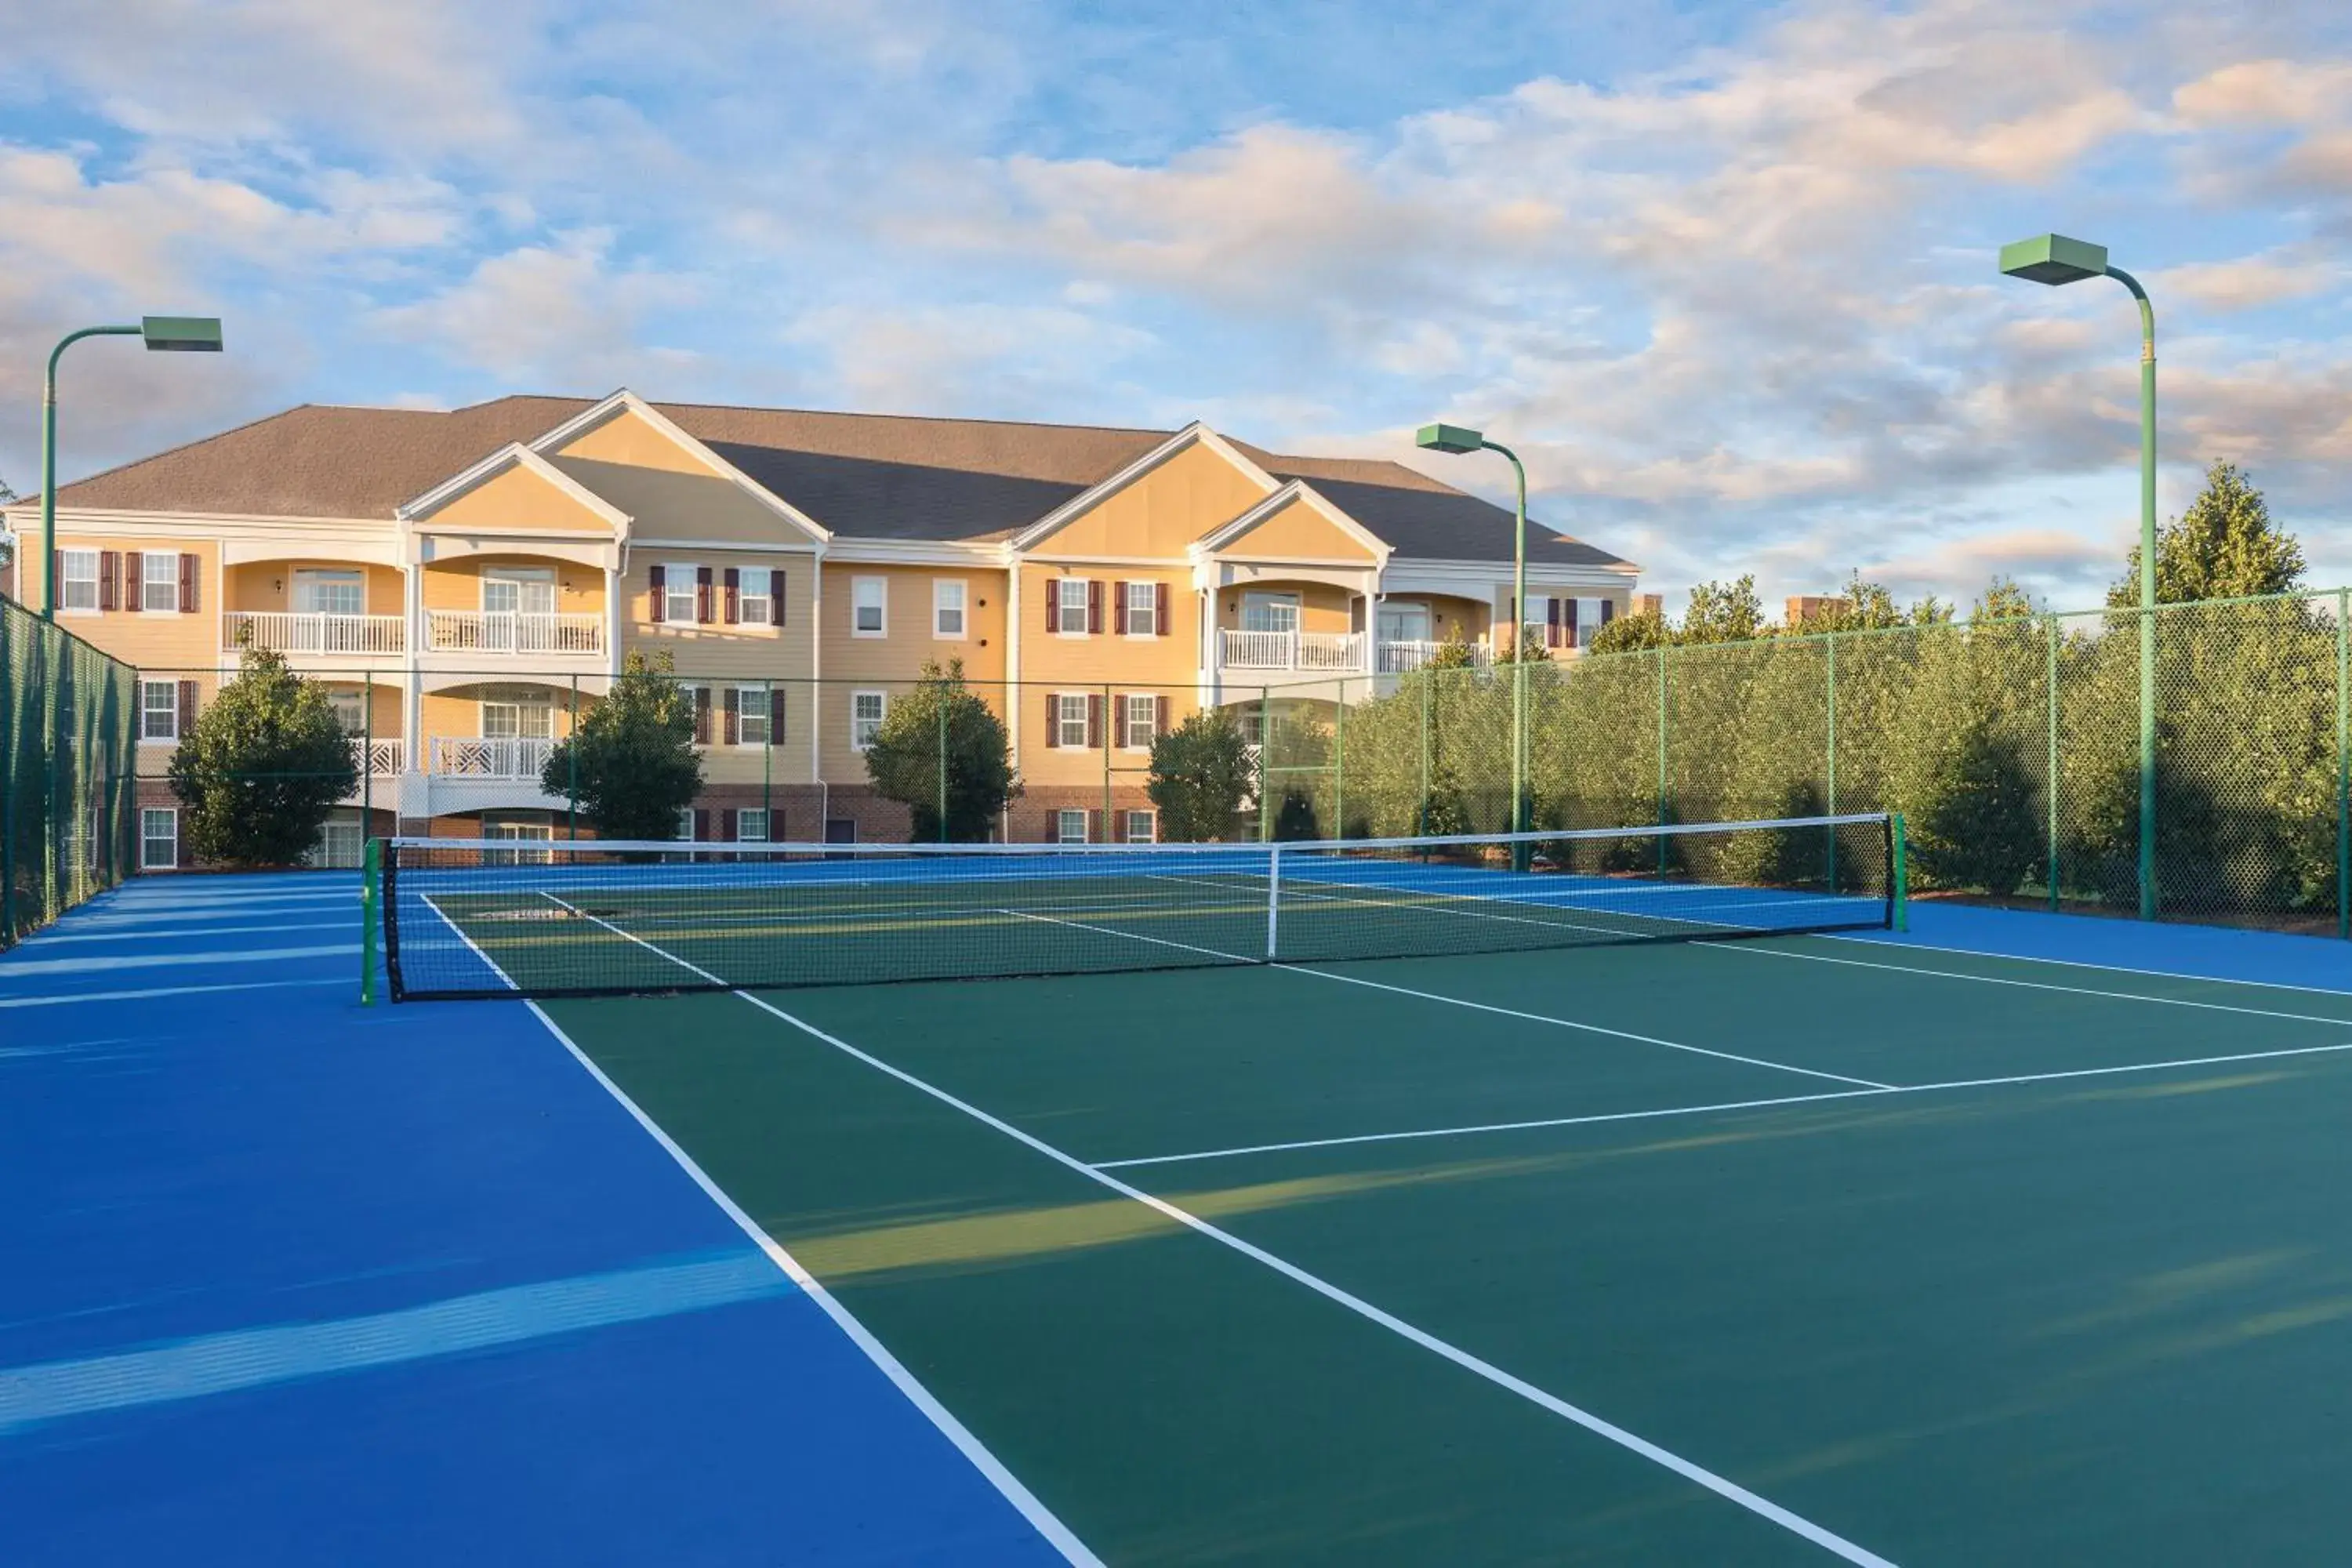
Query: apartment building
{"points": [[466, 584]]}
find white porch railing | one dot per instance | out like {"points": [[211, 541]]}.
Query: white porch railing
{"points": [[490, 757], [1340, 652], [508, 631], [283, 631], [1402, 656], [383, 759]]}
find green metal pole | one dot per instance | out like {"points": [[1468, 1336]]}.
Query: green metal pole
{"points": [[367, 759], [2050, 772], [2343, 766], [371, 895], [1902, 870], [767, 762], [1110, 749], [1832, 761], [1421, 811], [1264, 762], [571, 766], [942, 781], [2148, 888], [1519, 852], [1340, 767], [1661, 757], [49, 461]]}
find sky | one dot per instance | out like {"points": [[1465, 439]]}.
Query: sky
{"points": [[1723, 275]]}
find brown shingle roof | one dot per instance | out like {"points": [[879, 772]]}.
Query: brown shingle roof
{"points": [[864, 475]]}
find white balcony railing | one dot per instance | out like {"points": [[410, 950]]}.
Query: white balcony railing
{"points": [[281, 631], [1340, 652], [1402, 656], [490, 757], [508, 631], [382, 758]]}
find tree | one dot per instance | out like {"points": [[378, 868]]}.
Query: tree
{"points": [[1978, 822], [2004, 600], [2225, 546], [1202, 771], [631, 763], [1628, 633], [942, 720], [1723, 612], [262, 767]]}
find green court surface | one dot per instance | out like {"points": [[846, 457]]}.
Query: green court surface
{"points": [[1821, 1249]]}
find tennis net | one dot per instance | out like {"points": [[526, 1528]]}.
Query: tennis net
{"points": [[476, 918]]}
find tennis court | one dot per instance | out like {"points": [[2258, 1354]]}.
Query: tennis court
{"points": [[1562, 1247]]}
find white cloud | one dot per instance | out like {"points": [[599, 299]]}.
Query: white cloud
{"points": [[556, 316]]}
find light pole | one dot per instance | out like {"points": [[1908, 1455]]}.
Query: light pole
{"points": [[179, 335], [2055, 260], [1456, 438]]}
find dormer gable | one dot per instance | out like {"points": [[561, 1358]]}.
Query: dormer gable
{"points": [[1158, 506], [1296, 524]]}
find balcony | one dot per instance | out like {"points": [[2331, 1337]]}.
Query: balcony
{"points": [[381, 758], [1340, 653], [510, 758], [1403, 656], [506, 632], [285, 631]]}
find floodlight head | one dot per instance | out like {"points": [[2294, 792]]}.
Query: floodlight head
{"points": [[182, 335], [2054, 258], [1449, 438]]}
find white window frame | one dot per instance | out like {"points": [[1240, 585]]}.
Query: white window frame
{"points": [[682, 579], [861, 737], [1266, 603], [1147, 606], [1587, 621], [515, 831], [765, 598], [170, 691], [960, 609], [1065, 604], [354, 698], [1062, 820], [148, 586], [521, 579], [69, 580], [311, 577], [520, 732], [881, 606], [1150, 815], [751, 701], [147, 815], [1130, 705], [685, 824], [743, 836], [1070, 708]]}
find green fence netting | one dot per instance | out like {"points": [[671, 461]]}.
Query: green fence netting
{"points": [[68, 819]]}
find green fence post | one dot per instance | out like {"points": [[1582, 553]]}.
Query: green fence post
{"points": [[372, 871], [1339, 766], [1832, 759], [1110, 749], [941, 782], [571, 766], [367, 759], [767, 763], [1264, 762], [1902, 870], [2050, 774], [2343, 765], [1421, 806], [1661, 757]]}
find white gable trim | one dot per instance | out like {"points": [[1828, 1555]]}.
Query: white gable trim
{"points": [[513, 455], [588, 419], [1224, 539], [1193, 435]]}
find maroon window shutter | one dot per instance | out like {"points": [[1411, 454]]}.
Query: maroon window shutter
{"points": [[1568, 621], [1052, 718], [734, 599], [188, 595], [1608, 611], [1053, 605], [1094, 720], [775, 714], [1093, 607], [1552, 623], [776, 596], [187, 707], [733, 728], [134, 580], [1159, 718], [702, 614], [703, 715], [1160, 609], [657, 607], [1095, 827], [727, 825], [1118, 608], [106, 564], [701, 825]]}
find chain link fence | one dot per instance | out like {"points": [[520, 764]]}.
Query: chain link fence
{"points": [[68, 824]]}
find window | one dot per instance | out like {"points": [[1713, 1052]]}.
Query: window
{"points": [[329, 593], [1070, 606], [159, 711], [869, 606], [159, 582], [1270, 612], [947, 607], [1143, 610], [1143, 828], [865, 708], [521, 830], [77, 579], [681, 600], [752, 825], [751, 715], [1069, 828], [755, 598], [1139, 722], [341, 847], [1592, 615], [1070, 719], [512, 721], [351, 709], [158, 838]]}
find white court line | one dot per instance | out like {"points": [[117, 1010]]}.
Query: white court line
{"points": [[1460, 1002], [2085, 964], [165, 960], [1731, 1490], [1672, 1111], [1041, 1518], [2024, 984], [60, 1000], [45, 937]]}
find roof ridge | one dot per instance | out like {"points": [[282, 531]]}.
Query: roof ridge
{"points": [[920, 418]]}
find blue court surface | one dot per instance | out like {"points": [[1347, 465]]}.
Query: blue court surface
{"points": [[286, 1280]]}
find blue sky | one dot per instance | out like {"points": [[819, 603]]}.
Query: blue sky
{"points": [[1723, 274]]}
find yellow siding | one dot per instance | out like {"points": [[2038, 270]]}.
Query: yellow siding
{"points": [[266, 585], [520, 500], [627, 438], [1157, 517], [772, 653], [1321, 606], [1297, 531], [457, 584], [152, 639], [1052, 662], [894, 662]]}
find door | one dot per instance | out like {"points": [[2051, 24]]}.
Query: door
{"points": [[518, 609]]}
